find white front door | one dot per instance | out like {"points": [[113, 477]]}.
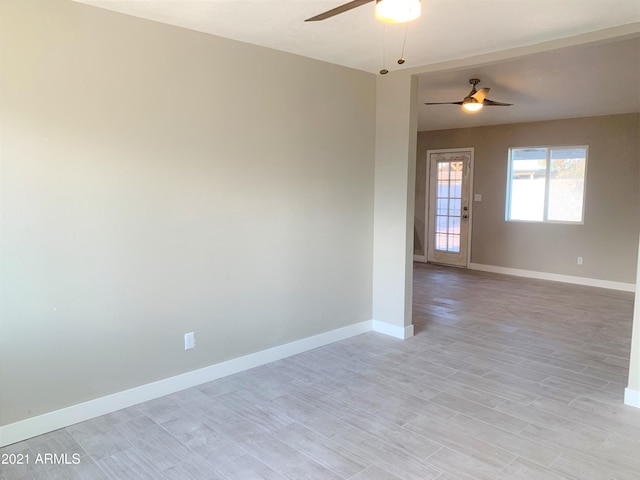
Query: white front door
{"points": [[449, 206]]}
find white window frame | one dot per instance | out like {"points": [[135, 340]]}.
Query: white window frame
{"points": [[548, 149]]}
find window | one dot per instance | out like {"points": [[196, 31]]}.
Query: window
{"points": [[546, 184]]}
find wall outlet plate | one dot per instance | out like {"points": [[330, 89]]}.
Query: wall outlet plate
{"points": [[189, 340]]}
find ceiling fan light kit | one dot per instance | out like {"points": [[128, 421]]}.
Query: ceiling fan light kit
{"points": [[471, 105], [398, 11]]}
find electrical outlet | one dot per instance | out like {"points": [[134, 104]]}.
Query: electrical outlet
{"points": [[579, 260], [189, 340]]}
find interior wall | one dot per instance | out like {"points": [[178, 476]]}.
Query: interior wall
{"points": [[396, 130], [634, 355], [157, 181], [608, 239]]}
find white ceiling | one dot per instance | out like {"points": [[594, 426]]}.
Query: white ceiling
{"points": [[580, 81]]}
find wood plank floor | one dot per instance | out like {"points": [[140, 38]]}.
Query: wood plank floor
{"points": [[506, 378]]}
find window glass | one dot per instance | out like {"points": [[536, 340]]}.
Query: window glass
{"points": [[566, 184], [528, 172]]}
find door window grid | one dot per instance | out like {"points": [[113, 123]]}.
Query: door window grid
{"points": [[448, 206]]}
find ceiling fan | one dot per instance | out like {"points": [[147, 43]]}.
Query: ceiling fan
{"points": [[393, 11], [475, 100]]}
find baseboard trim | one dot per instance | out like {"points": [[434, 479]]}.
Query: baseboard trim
{"points": [[392, 330], [420, 258], [555, 277], [632, 397], [47, 422]]}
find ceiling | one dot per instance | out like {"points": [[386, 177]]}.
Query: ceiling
{"points": [[578, 81], [581, 81]]}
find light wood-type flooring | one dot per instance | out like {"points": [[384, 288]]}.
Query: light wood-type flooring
{"points": [[505, 379]]}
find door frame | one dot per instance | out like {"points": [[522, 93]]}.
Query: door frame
{"points": [[427, 223]]}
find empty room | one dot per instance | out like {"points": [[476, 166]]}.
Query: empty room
{"points": [[319, 240]]}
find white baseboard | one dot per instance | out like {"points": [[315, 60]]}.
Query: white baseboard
{"points": [[632, 397], [420, 258], [555, 277], [47, 422], [392, 330]]}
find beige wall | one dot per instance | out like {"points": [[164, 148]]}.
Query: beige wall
{"points": [[608, 239], [157, 181]]}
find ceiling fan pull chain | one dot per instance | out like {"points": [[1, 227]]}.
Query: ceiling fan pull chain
{"points": [[384, 71], [404, 42]]}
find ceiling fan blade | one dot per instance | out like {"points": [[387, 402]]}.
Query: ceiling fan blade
{"points": [[338, 10], [443, 103], [481, 94], [491, 103]]}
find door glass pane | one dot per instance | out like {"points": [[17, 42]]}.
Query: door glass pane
{"points": [[456, 189], [566, 184], [449, 204], [454, 207], [453, 243], [443, 206], [443, 189]]}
